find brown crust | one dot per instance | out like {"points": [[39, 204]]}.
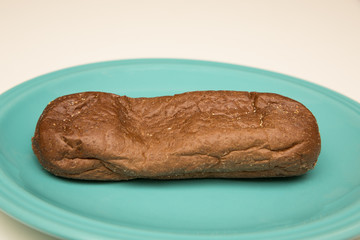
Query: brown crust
{"points": [[204, 134]]}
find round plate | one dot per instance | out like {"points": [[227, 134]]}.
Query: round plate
{"points": [[324, 203]]}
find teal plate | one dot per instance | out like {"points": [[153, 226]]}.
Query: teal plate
{"points": [[323, 204]]}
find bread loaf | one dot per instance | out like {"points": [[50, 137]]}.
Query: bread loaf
{"points": [[203, 134]]}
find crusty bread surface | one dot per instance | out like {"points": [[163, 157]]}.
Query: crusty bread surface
{"points": [[202, 134]]}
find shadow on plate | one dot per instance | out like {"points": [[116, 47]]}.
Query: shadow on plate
{"points": [[199, 181]]}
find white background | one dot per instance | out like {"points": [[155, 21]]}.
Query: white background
{"points": [[316, 40]]}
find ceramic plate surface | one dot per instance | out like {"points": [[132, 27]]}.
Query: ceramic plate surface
{"points": [[323, 204]]}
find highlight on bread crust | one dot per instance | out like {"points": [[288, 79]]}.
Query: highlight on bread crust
{"points": [[202, 134]]}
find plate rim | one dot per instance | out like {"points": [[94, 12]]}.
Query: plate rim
{"points": [[20, 214]]}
